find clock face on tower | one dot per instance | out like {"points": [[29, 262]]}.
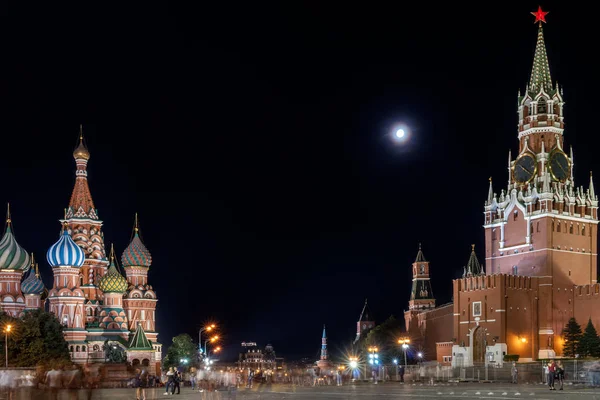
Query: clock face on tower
{"points": [[559, 166], [525, 168]]}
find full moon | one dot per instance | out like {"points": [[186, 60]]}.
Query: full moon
{"points": [[400, 133]]}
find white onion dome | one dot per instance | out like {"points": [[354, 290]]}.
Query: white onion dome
{"points": [[65, 252], [12, 256]]}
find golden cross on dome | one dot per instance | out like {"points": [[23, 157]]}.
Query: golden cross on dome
{"points": [[8, 213], [472, 247], [540, 16], [136, 226]]}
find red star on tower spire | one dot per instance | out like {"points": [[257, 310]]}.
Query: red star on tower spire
{"points": [[540, 15]]}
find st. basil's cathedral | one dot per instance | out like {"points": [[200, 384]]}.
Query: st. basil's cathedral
{"points": [[89, 294]]}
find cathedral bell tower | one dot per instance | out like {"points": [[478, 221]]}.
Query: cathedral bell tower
{"points": [[85, 228]]}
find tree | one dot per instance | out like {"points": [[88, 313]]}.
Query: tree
{"points": [[589, 346], [384, 336], [182, 348], [572, 335], [36, 339]]}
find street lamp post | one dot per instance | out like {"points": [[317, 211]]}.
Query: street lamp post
{"points": [[212, 339], [6, 332], [353, 365], [404, 342], [206, 328], [373, 360]]}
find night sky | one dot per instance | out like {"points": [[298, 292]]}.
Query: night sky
{"points": [[253, 141]]}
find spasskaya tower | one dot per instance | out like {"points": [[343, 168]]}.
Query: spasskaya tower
{"points": [[542, 224]]}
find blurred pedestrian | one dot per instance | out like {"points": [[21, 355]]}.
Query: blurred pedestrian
{"points": [[514, 372], [54, 382]]}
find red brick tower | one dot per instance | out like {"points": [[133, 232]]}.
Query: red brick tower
{"points": [[543, 225], [86, 230], [365, 322], [421, 296]]}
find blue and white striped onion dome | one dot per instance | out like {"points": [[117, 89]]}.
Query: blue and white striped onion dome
{"points": [[32, 284], [65, 252], [12, 256]]}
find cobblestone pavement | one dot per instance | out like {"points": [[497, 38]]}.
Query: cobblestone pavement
{"points": [[361, 391]]}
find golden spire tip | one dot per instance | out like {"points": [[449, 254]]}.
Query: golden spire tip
{"points": [[136, 226], [80, 132], [472, 247], [8, 220], [112, 252]]}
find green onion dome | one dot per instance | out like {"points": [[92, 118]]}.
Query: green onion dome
{"points": [[113, 281], [12, 256]]}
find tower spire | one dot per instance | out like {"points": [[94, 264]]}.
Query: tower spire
{"points": [[324, 345], [490, 198], [420, 257], [8, 220], [540, 72], [592, 191], [473, 266], [509, 161], [81, 204]]}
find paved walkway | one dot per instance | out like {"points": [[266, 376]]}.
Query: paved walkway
{"points": [[362, 391]]}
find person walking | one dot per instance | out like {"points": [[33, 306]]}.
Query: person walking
{"points": [[193, 378], [551, 374], [560, 373], [339, 377], [141, 380], [514, 372], [54, 382], [401, 373], [176, 381], [169, 380]]}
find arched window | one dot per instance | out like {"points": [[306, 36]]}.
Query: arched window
{"points": [[515, 215], [558, 227], [583, 230], [571, 229], [538, 227], [80, 280], [514, 270], [542, 106]]}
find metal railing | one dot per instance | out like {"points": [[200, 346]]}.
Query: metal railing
{"points": [[577, 371]]}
